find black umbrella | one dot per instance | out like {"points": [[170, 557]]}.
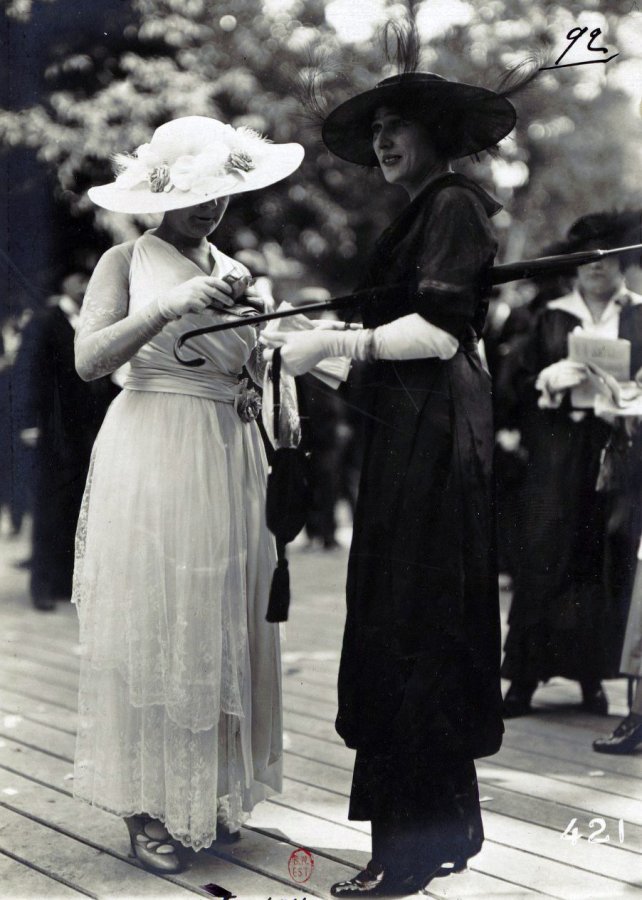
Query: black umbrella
{"points": [[526, 268]]}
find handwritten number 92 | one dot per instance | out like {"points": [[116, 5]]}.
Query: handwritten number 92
{"points": [[573, 37]]}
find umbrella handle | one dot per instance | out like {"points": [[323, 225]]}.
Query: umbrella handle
{"points": [[192, 361], [195, 361]]}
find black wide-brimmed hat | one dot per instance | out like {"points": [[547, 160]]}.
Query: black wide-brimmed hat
{"points": [[605, 230], [463, 119]]}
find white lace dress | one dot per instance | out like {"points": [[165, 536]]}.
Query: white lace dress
{"points": [[180, 695]]}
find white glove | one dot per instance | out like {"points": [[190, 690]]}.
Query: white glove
{"points": [[303, 350], [561, 376], [410, 337], [194, 296], [557, 378]]}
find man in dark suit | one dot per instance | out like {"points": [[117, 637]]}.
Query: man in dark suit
{"points": [[59, 417]]}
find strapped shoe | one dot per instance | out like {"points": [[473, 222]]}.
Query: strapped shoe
{"points": [[153, 846], [366, 882], [624, 739], [373, 881]]}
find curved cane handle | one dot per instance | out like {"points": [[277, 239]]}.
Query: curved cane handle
{"points": [[193, 361]]}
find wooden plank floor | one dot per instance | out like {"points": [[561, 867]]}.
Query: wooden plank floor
{"points": [[545, 777]]}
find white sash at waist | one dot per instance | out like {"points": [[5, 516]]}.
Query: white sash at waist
{"points": [[222, 388]]}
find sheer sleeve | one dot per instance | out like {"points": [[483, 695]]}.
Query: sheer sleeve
{"points": [[107, 337], [459, 246]]}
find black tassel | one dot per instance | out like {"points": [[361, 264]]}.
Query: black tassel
{"points": [[279, 602]]}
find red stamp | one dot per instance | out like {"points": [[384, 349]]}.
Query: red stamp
{"points": [[300, 865]]}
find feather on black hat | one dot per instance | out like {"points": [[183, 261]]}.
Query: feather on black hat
{"points": [[463, 119]]}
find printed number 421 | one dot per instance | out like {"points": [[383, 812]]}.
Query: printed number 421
{"points": [[572, 833]]}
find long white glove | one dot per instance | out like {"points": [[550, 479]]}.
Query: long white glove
{"points": [[410, 337], [557, 378]]}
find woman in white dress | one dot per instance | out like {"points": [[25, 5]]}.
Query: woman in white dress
{"points": [[180, 703]]}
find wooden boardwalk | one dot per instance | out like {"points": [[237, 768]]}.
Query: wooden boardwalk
{"points": [[545, 777]]}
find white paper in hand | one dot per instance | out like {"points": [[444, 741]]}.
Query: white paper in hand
{"points": [[612, 356]]}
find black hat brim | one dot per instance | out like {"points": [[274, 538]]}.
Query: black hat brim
{"points": [[462, 118], [618, 229]]}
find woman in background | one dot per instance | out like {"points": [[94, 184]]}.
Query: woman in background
{"points": [[576, 567]]}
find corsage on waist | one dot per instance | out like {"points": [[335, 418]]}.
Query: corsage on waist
{"points": [[247, 402]]}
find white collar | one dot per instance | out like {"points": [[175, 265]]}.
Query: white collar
{"points": [[574, 304]]}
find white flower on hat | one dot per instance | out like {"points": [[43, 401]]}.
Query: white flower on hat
{"points": [[194, 172], [231, 155], [181, 172], [132, 170]]}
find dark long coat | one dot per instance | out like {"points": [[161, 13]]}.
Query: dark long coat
{"points": [[419, 675], [68, 412], [578, 555]]}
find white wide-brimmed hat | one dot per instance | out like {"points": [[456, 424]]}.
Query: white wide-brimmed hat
{"points": [[191, 160]]}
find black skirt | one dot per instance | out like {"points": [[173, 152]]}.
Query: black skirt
{"points": [[571, 592], [423, 814]]}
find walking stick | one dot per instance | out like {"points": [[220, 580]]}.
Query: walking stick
{"points": [[525, 268]]}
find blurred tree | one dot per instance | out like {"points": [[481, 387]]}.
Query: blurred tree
{"points": [[575, 148], [577, 144]]}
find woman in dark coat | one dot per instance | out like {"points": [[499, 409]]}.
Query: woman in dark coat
{"points": [[578, 557], [419, 690]]}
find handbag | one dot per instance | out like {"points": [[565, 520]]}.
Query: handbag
{"points": [[288, 495]]}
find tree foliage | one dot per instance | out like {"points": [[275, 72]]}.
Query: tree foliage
{"points": [[575, 148]]}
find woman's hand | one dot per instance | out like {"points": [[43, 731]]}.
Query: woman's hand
{"points": [[562, 375], [194, 296], [260, 298], [302, 350]]}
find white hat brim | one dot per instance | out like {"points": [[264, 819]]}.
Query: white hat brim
{"points": [[273, 162]]}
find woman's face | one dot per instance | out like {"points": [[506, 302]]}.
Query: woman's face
{"points": [[403, 148], [195, 222], [601, 278]]}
